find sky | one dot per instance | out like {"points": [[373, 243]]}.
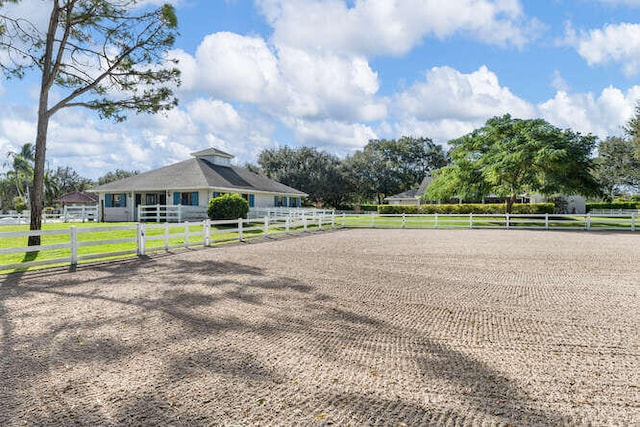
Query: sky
{"points": [[334, 74]]}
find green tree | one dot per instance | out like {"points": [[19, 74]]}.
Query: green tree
{"points": [[104, 55], [21, 171], [386, 167], [63, 180], [319, 174], [632, 129], [508, 157], [617, 167], [116, 175]]}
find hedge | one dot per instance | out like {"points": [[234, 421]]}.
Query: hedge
{"points": [[467, 208], [612, 205]]}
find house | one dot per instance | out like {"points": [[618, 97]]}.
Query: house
{"points": [[77, 198], [411, 197], [191, 184]]}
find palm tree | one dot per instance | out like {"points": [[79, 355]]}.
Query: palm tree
{"points": [[22, 170]]}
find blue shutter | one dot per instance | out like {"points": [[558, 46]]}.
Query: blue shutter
{"points": [[123, 200], [292, 202], [299, 201], [107, 201], [216, 194], [252, 200], [194, 198], [275, 201], [176, 198]]}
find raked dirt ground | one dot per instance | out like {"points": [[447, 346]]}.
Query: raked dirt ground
{"points": [[357, 327]]}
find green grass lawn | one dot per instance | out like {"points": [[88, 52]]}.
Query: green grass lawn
{"points": [[92, 246]]}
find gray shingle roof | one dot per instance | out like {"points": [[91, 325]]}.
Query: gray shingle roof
{"points": [[197, 173], [414, 193]]}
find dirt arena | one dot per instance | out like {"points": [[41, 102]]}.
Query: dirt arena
{"points": [[357, 327]]}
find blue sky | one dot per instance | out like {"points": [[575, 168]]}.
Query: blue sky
{"points": [[333, 74]]}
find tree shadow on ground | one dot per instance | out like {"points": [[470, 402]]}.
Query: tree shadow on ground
{"points": [[320, 325]]}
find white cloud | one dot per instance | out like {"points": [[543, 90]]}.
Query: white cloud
{"points": [[448, 102], [619, 43], [232, 67], [283, 82], [603, 115], [558, 82], [333, 136], [385, 27]]}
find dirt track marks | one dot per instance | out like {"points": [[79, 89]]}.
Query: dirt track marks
{"points": [[377, 327]]}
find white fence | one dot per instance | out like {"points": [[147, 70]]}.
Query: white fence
{"points": [[68, 214], [505, 221], [77, 244], [180, 213], [74, 245]]}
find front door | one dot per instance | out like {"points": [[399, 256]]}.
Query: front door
{"points": [[137, 203]]}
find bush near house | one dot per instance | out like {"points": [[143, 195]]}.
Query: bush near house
{"points": [[228, 206], [612, 205], [467, 208]]}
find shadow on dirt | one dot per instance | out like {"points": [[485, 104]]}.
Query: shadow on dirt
{"points": [[118, 299]]}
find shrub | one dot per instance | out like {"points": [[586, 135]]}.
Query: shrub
{"points": [[612, 205], [228, 206], [466, 208]]}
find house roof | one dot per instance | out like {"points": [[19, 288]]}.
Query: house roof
{"points": [[414, 193], [197, 173], [212, 151], [77, 197]]}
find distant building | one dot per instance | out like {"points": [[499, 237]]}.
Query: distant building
{"points": [[77, 198], [192, 183], [411, 197]]}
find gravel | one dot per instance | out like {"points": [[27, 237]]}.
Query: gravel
{"points": [[360, 327]]}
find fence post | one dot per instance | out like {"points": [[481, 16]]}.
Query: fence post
{"points": [[373, 221], [239, 229], [507, 220], [546, 221], [319, 222], [344, 219], [436, 223], [84, 212], [633, 221], [158, 213], [141, 239], [64, 215], [74, 245], [588, 221], [287, 225], [304, 222], [186, 234], [206, 238], [333, 219], [403, 221], [266, 226], [179, 213], [166, 236], [470, 219]]}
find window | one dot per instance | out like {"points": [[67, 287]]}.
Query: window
{"points": [[186, 198], [115, 200]]}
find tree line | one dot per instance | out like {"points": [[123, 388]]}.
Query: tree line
{"points": [[505, 158], [16, 183]]}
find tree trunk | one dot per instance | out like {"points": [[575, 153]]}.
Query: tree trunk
{"points": [[43, 125], [511, 200], [38, 170]]}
